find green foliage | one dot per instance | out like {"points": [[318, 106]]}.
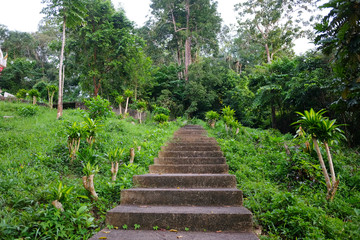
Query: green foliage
{"points": [[318, 126], [141, 105], [128, 93], [21, 94], [41, 87], [161, 118], [161, 110], [34, 93], [90, 169], [27, 111], [211, 115], [61, 192], [119, 99], [227, 111], [98, 108]]}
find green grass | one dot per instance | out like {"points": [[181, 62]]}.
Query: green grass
{"points": [[287, 193], [34, 158]]}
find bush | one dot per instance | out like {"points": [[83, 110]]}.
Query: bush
{"points": [[161, 118], [28, 111], [161, 110], [99, 108], [21, 94]]}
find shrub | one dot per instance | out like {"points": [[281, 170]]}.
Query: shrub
{"points": [[161, 118], [99, 108], [21, 94], [28, 111], [161, 110]]}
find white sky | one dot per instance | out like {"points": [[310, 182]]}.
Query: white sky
{"points": [[24, 15]]}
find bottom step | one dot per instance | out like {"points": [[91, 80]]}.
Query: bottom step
{"points": [[227, 218], [167, 235]]}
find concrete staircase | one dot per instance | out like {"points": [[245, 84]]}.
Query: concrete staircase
{"points": [[188, 187]]}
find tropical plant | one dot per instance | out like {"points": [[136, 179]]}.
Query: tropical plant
{"points": [[51, 92], [120, 99], [115, 157], [33, 93], [325, 130], [128, 94], [88, 180], [90, 129], [75, 132], [211, 117], [141, 106]]}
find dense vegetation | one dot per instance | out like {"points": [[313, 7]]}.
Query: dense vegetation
{"points": [[282, 183], [36, 169], [182, 64]]}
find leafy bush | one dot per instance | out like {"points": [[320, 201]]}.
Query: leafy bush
{"points": [[99, 108], [28, 111], [161, 110], [161, 118], [21, 94]]}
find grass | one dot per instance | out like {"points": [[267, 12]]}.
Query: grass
{"points": [[34, 159], [286, 192]]}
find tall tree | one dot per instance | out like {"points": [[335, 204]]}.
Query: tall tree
{"points": [[187, 27], [71, 13], [272, 23], [109, 55]]}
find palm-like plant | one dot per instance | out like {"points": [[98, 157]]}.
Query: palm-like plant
{"points": [[211, 117], [119, 100], [128, 94], [324, 130], [51, 92], [115, 156], [141, 106]]}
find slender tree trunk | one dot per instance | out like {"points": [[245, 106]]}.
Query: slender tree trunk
{"points": [[187, 41], [126, 106], [268, 53], [120, 110], [332, 171], [322, 164], [34, 100], [60, 99], [132, 155]]}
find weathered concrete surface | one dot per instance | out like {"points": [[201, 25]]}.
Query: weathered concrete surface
{"points": [[191, 147], [178, 217], [185, 181], [183, 168], [167, 235], [182, 197], [191, 154], [189, 160]]}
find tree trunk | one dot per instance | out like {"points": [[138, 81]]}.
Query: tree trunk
{"points": [[187, 41], [212, 124], [61, 90], [332, 171], [34, 100], [88, 182], [268, 53], [132, 155], [326, 175], [120, 112], [114, 170], [126, 106]]}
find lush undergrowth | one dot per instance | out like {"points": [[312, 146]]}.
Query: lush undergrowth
{"points": [[35, 170], [286, 191]]}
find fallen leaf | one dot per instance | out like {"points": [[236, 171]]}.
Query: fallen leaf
{"points": [[106, 231], [173, 230], [116, 228], [219, 231], [179, 236], [102, 237]]}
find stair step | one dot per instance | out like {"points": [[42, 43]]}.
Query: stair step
{"points": [[190, 148], [199, 144], [189, 161], [184, 168], [191, 154], [162, 235], [182, 197], [178, 217], [185, 181], [193, 138]]}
